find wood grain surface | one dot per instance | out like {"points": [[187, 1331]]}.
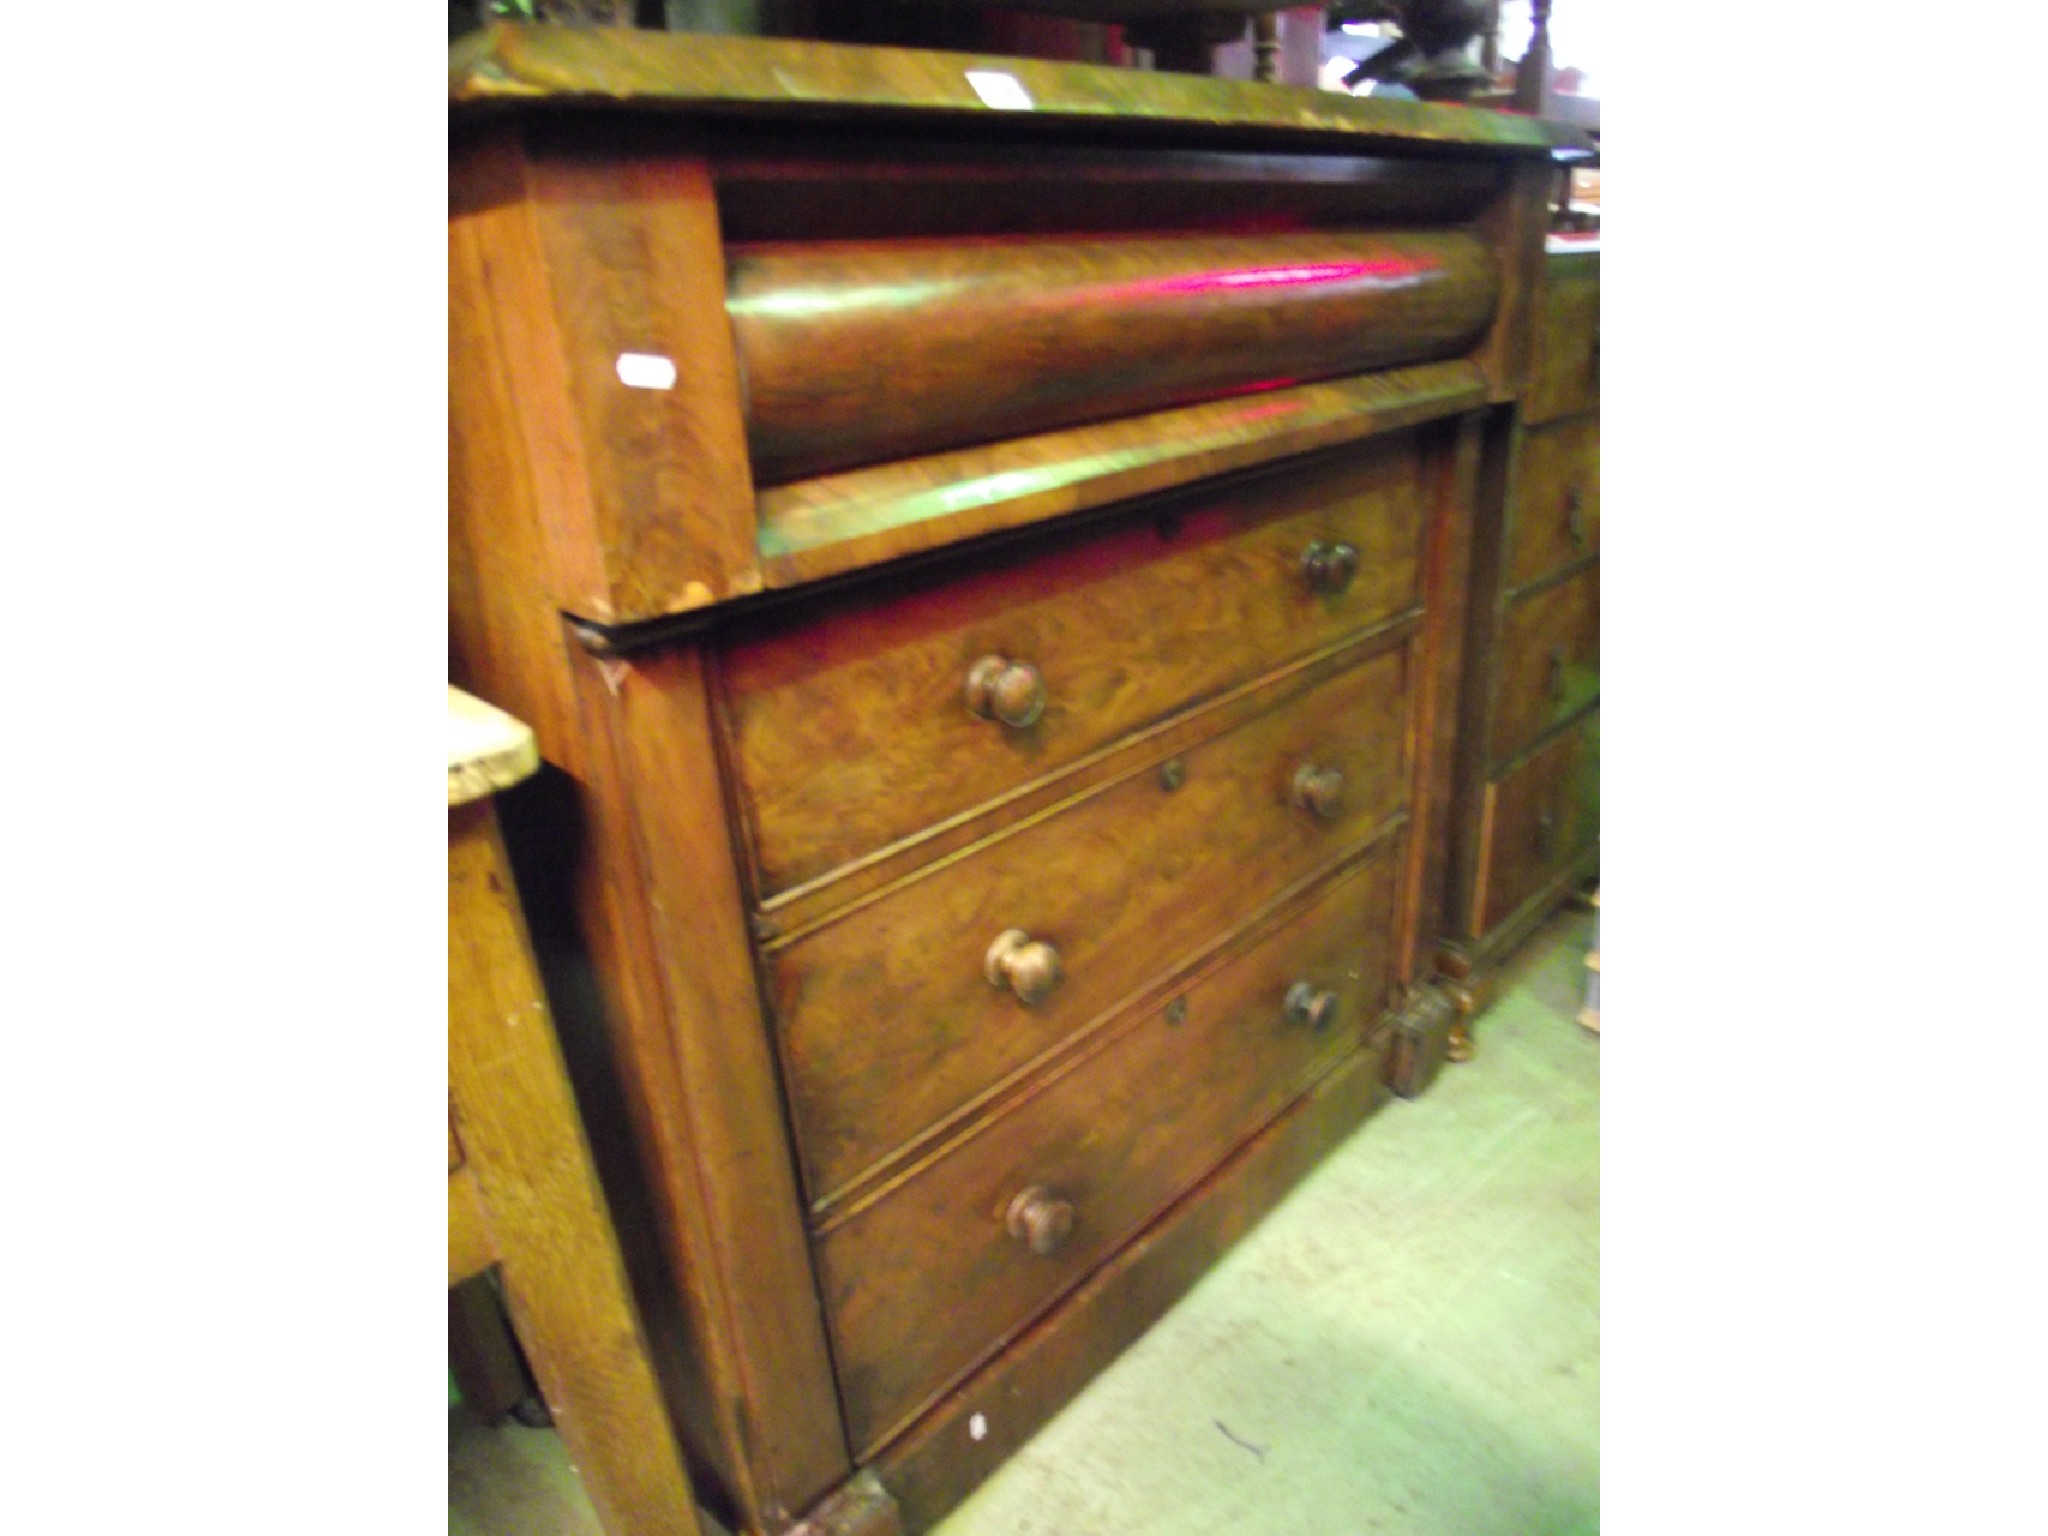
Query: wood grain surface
{"points": [[722, 1298], [1565, 378], [967, 1433], [539, 1200], [1123, 883], [636, 270], [508, 66], [1125, 1130], [840, 523], [488, 751], [1549, 661], [1016, 337], [1559, 785], [787, 185], [1555, 519], [847, 724]]}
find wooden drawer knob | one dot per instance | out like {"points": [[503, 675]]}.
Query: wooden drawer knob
{"points": [[1010, 691], [1040, 1222], [1028, 967], [1319, 791], [1310, 1006], [1329, 567]]}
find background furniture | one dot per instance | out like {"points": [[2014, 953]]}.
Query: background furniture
{"points": [[1527, 827], [522, 1194], [984, 546]]}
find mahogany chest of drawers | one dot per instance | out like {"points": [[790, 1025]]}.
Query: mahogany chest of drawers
{"points": [[992, 590], [1528, 813]]}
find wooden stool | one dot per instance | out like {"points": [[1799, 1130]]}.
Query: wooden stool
{"points": [[522, 1193]]}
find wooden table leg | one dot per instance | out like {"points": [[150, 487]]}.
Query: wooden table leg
{"points": [[564, 1280]]}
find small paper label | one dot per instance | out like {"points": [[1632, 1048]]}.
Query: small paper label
{"points": [[644, 370], [977, 1427], [1004, 92]]}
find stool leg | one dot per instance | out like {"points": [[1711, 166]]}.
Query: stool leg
{"points": [[565, 1282]]}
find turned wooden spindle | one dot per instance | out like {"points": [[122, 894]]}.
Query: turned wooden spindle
{"points": [[1266, 46], [1532, 75]]}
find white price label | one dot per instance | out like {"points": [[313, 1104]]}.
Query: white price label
{"points": [[644, 370], [1005, 92]]}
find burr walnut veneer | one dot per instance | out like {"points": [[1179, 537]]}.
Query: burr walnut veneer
{"points": [[993, 592]]}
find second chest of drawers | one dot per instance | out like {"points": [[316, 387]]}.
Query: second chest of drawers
{"points": [[1528, 817]]}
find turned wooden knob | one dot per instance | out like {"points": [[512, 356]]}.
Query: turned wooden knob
{"points": [[1010, 691], [1040, 1222], [1319, 791], [1329, 567], [1310, 1005], [1028, 967]]}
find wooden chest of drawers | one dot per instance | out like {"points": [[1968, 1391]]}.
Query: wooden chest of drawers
{"points": [[1527, 824], [992, 594]]}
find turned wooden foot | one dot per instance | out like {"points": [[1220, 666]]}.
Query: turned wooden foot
{"points": [[1458, 1045]]}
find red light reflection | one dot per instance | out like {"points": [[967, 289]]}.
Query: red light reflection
{"points": [[1379, 271]]}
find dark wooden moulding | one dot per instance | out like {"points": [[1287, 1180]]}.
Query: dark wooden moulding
{"points": [[621, 193]]}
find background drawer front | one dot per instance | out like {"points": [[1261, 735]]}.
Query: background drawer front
{"points": [[848, 725], [1566, 380], [1549, 661], [1538, 819], [1557, 500], [928, 1280], [887, 1018]]}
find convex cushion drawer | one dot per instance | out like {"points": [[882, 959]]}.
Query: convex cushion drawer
{"points": [[1101, 897], [1017, 337], [929, 1278], [850, 728], [1556, 517], [1549, 661]]}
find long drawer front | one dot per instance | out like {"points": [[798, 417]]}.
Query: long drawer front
{"points": [[1556, 516], [1549, 662], [906, 1009], [1566, 378], [933, 1276], [1017, 337], [850, 724], [1537, 820]]}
